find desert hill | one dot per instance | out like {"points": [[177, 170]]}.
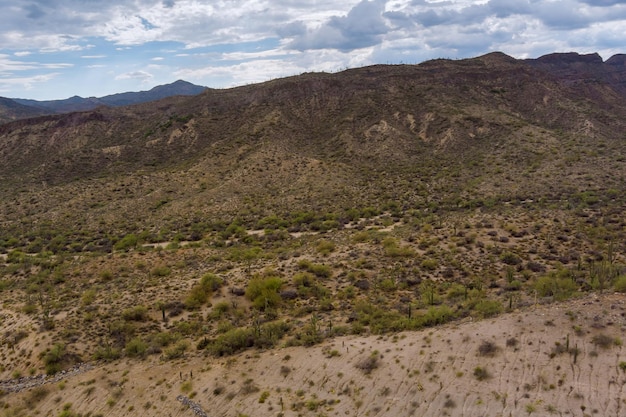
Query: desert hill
{"points": [[11, 110], [443, 238]]}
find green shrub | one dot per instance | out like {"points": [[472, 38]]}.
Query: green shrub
{"points": [[107, 353], [394, 250], [136, 348], [137, 313], [436, 315], [177, 351], [456, 291], [620, 284], [321, 271], [481, 373], [510, 258], [553, 286], [157, 341], [197, 297], [264, 396], [211, 282], [160, 271], [219, 310], [263, 292], [127, 242], [200, 292], [387, 285], [488, 308], [232, 341], [429, 264], [53, 358], [304, 279], [325, 247]]}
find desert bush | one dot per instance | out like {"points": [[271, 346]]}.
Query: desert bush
{"points": [[604, 341], [127, 242], [487, 348], [177, 350], [231, 342], [510, 258], [264, 292], [321, 271], [435, 316], [512, 342], [394, 250], [620, 283], [200, 292], [430, 292], [456, 291], [106, 275], [137, 313], [368, 364], [53, 358], [481, 373], [553, 286], [88, 297], [387, 285], [488, 308], [219, 310], [264, 396], [285, 370], [249, 387], [157, 341], [325, 247], [136, 347], [107, 353], [429, 264], [304, 279], [160, 271]]}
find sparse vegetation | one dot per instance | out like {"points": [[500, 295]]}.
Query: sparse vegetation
{"points": [[301, 223]]}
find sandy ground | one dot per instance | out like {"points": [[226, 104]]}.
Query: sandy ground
{"points": [[424, 373]]}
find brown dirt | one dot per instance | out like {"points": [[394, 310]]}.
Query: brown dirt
{"points": [[425, 373]]}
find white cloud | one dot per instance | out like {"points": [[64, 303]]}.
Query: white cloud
{"points": [[25, 83], [143, 76]]}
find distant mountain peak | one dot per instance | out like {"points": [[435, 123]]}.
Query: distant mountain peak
{"points": [[618, 59], [570, 58], [77, 103]]}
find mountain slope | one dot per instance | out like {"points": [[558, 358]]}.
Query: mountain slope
{"points": [[489, 111], [12, 110], [76, 103], [443, 371]]}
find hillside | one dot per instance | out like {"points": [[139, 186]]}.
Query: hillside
{"points": [[11, 110], [76, 103], [405, 214]]}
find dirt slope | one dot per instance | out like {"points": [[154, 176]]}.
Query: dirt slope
{"points": [[560, 359]]}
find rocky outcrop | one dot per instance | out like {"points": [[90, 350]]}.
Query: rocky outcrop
{"points": [[195, 407]]}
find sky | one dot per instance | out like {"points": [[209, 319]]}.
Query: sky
{"points": [[55, 49]]}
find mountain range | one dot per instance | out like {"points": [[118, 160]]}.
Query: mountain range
{"points": [[18, 108]]}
